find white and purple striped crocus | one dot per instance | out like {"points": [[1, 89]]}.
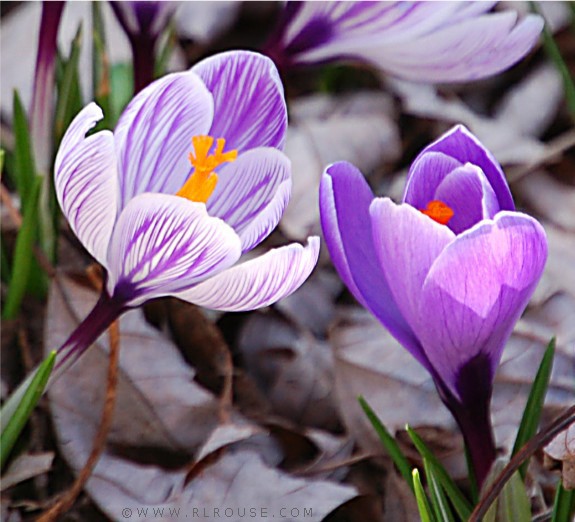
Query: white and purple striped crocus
{"points": [[448, 271], [419, 41], [192, 178]]}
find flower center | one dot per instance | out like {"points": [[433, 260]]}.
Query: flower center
{"points": [[438, 211], [202, 182]]}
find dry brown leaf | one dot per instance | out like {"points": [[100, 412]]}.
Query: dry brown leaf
{"points": [[311, 307], [26, 466], [551, 199], [158, 403], [360, 128], [562, 448], [370, 362], [241, 480], [292, 368], [510, 140]]}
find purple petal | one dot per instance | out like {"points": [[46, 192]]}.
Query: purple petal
{"points": [[250, 109], [153, 136], [258, 282], [477, 289], [468, 193], [246, 188], [407, 243], [344, 209], [460, 144], [472, 49], [86, 182], [165, 244], [425, 174]]}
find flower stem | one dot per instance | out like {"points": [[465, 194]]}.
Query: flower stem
{"points": [[144, 59], [104, 313], [477, 430]]}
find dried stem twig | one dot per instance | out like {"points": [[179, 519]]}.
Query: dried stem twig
{"points": [[68, 499]]}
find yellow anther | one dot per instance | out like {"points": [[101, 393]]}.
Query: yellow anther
{"points": [[201, 184]]}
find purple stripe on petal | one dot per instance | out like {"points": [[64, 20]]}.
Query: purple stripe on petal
{"points": [[477, 288], [164, 244], [267, 218], [153, 136], [247, 186], [250, 110], [86, 182], [347, 227], [460, 144], [258, 282]]}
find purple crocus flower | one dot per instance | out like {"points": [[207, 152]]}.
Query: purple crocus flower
{"points": [[143, 23], [420, 41], [192, 178], [448, 272]]}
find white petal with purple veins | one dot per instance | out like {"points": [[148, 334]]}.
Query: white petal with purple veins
{"points": [[164, 244], [472, 49], [258, 282], [247, 186], [267, 219], [250, 109], [86, 182], [154, 134]]}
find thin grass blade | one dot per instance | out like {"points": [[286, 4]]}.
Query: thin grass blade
{"points": [[17, 421], [534, 405], [423, 506], [456, 497], [388, 442]]}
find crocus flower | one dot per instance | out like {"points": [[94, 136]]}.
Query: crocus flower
{"points": [[143, 23], [420, 41], [448, 272], [192, 178]]}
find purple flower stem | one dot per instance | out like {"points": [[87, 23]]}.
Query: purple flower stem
{"points": [[104, 313], [471, 411], [144, 57], [477, 430]]}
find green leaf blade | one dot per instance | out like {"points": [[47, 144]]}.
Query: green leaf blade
{"points": [[439, 501], [421, 499], [23, 254], [534, 406], [17, 421], [24, 168], [388, 443], [456, 497]]}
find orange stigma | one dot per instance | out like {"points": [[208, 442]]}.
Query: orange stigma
{"points": [[201, 184], [438, 211]]}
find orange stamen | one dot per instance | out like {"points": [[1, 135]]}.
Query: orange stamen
{"points": [[201, 184], [438, 211]]}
